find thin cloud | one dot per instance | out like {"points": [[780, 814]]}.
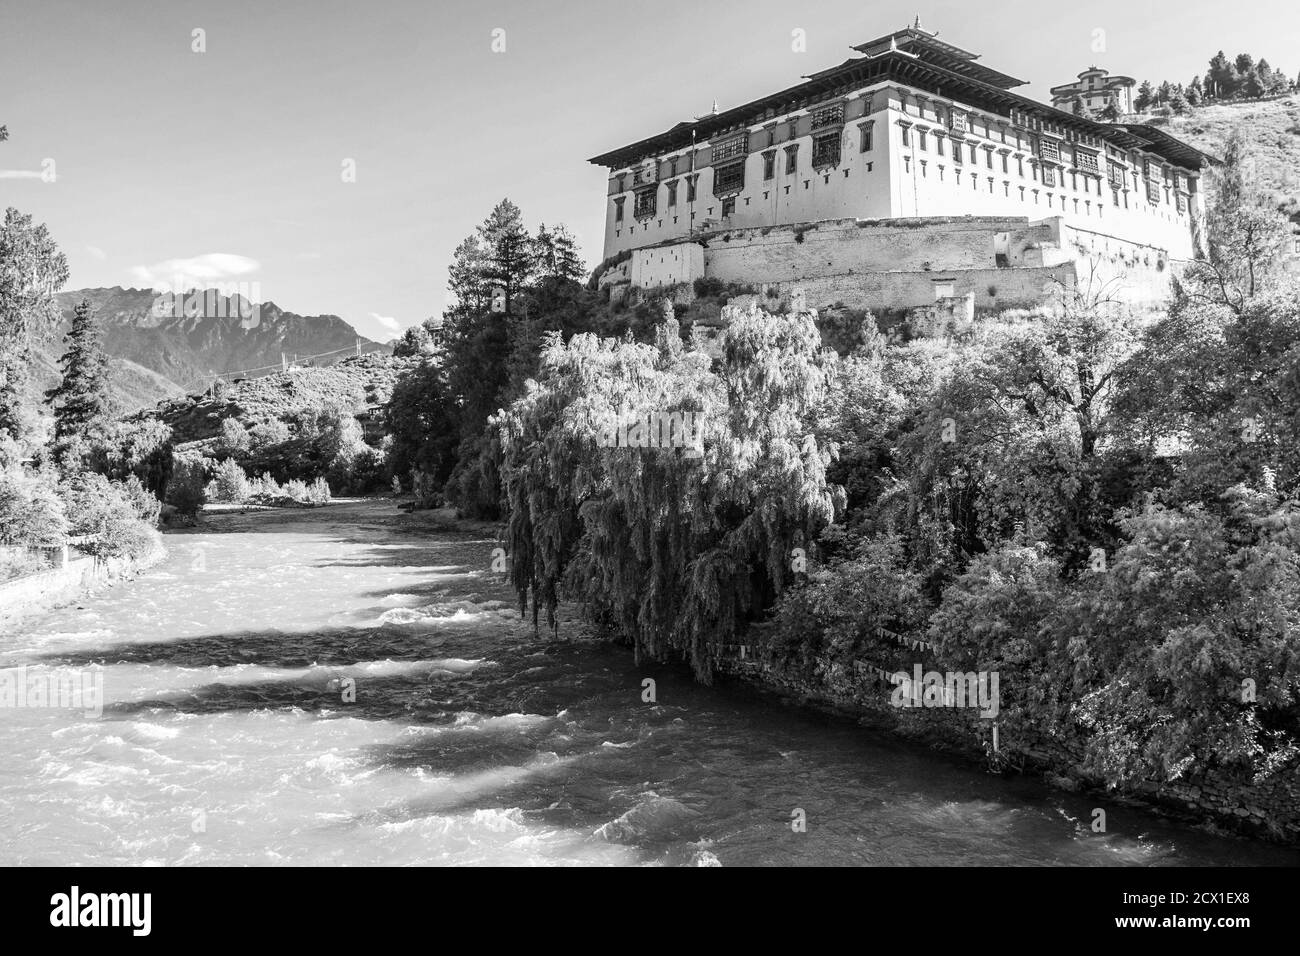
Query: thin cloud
{"points": [[196, 271], [97, 252], [20, 174], [389, 323]]}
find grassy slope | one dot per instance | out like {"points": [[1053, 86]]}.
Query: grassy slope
{"points": [[1274, 128]]}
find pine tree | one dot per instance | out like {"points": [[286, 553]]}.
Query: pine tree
{"points": [[1144, 98], [1110, 112], [1195, 94], [81, 400], [1081, 109], [557, 254], [1220, 78], [1178, 102], [508, 250]]}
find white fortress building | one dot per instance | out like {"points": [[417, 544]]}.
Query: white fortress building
{"points": [[907, 174], [1096, 89]]}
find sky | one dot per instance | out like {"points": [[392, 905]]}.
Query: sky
{"points": [[231, 164]]}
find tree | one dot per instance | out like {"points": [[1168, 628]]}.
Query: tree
{"points": [[509, 260], [1080, 108], [672, 545], [1243, 65], [1164, 92], [1244, 231], [423, 429], [81, 399], [557, 254], [1178, 103], [1252, 86], [1110, 112], [1220, 78], [1195, 93], [1145, 97], [414, 342], [31, 270]]}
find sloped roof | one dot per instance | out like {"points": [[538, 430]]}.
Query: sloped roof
{"points": [[919, 62]]}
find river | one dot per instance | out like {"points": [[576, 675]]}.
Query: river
{"points": [[228, 734]]}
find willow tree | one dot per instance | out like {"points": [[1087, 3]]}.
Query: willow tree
{"points": [[666, 497], [32, 269]]}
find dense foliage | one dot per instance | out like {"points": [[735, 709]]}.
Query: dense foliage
{"points": [[1099, 506]]}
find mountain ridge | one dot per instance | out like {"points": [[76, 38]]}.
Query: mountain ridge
{"points": [[158, 353]]}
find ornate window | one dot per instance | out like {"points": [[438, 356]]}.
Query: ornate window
{"points": [[1049, 149], [957, 121], [1049, 176], [1115, 173], [646, 201], [1153, 191], [826, 149], [792, 158], [832, 115], [1086, 160], [732, 147], [729, 178], [769, 165]]}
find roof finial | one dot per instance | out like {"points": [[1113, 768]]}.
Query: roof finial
{"points": [[917, 24], [715, 108]]}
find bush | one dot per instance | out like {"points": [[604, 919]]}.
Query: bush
{"points": [[146, 507], [229, 484], [234, 439], [104, 510], [30, 510], [186, 490], [318, 493], [268, 434], [19, 564]]}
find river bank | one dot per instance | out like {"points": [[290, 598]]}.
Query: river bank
{"points": [[35, 594], [319, 687], [1226, 802]]}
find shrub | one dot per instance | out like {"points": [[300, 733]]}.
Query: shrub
{"points": [[268, 434], [186, 490], [234, 438], [229, 484], [318, 493], [146, 507], [15, 565], [30, 510], [104, 511]]}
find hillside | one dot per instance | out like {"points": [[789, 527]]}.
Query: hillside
{"points": [[132, 386], [159, 357], [358, 383], [1274, 127]]}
